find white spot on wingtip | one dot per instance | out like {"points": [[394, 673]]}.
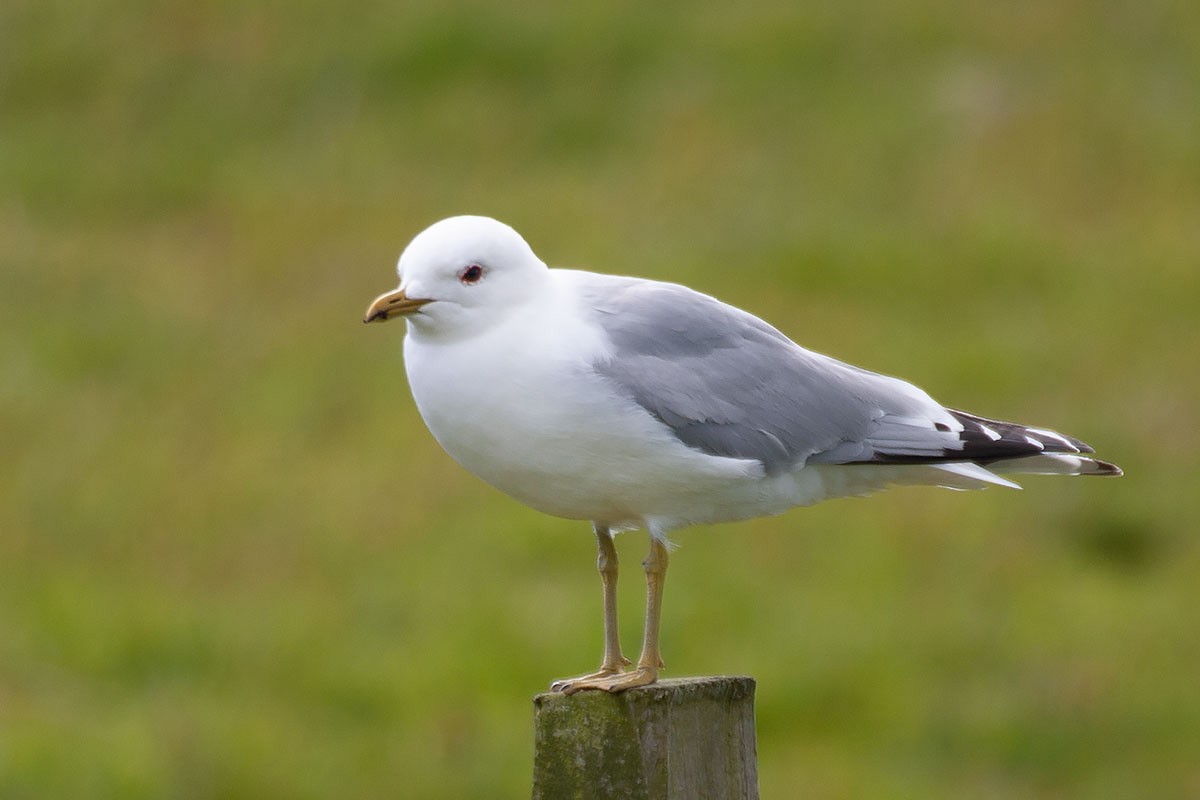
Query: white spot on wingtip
{"points": [[1058, 437]]}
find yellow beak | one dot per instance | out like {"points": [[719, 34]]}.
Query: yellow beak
{"points": [[393, 304]]}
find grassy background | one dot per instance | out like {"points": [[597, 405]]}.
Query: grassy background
{"points": [[234, 564]]}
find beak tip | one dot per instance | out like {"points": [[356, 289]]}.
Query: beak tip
{"points": [[393, 304]]}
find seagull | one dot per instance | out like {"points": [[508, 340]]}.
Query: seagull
{"points": [[638, 404]]}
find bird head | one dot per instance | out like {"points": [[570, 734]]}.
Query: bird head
{"points": [[459, 274]]}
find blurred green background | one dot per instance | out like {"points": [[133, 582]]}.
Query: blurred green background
{"points": [[234, 564]]}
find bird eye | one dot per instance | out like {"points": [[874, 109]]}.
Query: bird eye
{"points": [[471, 274]]}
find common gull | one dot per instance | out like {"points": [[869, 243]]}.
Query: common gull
{"points": [[639, 404]]}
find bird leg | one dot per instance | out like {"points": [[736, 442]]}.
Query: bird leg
{"points": [[613, 662], [650, 661], [656, 575], [606, 564]]}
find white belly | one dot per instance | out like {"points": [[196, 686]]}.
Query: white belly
{"points": [[534, 420]]}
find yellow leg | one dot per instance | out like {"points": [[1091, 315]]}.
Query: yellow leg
{"points": [[656, 576], [606, 564], [650, 661], [613, 661]]}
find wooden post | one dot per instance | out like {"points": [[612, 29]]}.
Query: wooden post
{"points": [[678, 739]]}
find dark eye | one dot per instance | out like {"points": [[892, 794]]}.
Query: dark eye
{"points": [[471, 274]]}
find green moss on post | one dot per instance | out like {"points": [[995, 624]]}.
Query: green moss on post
{"points": [[682, 738]]}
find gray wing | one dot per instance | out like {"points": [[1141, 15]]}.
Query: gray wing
{"points": [[729, 384]]}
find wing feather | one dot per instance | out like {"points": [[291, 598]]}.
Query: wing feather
{"points": [[728, 384]]}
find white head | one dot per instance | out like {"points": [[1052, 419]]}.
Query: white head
{"points": [[460, 275]]}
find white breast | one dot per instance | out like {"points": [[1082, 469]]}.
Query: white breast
{"points": [[521, 407]]}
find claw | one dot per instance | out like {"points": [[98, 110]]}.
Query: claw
{"points": [[604, 672], [642, 676]]}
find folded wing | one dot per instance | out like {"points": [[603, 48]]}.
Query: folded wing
{"points": [[729, 384]]}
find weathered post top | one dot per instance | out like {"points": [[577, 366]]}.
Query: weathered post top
{"points": [[678, 739]]}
